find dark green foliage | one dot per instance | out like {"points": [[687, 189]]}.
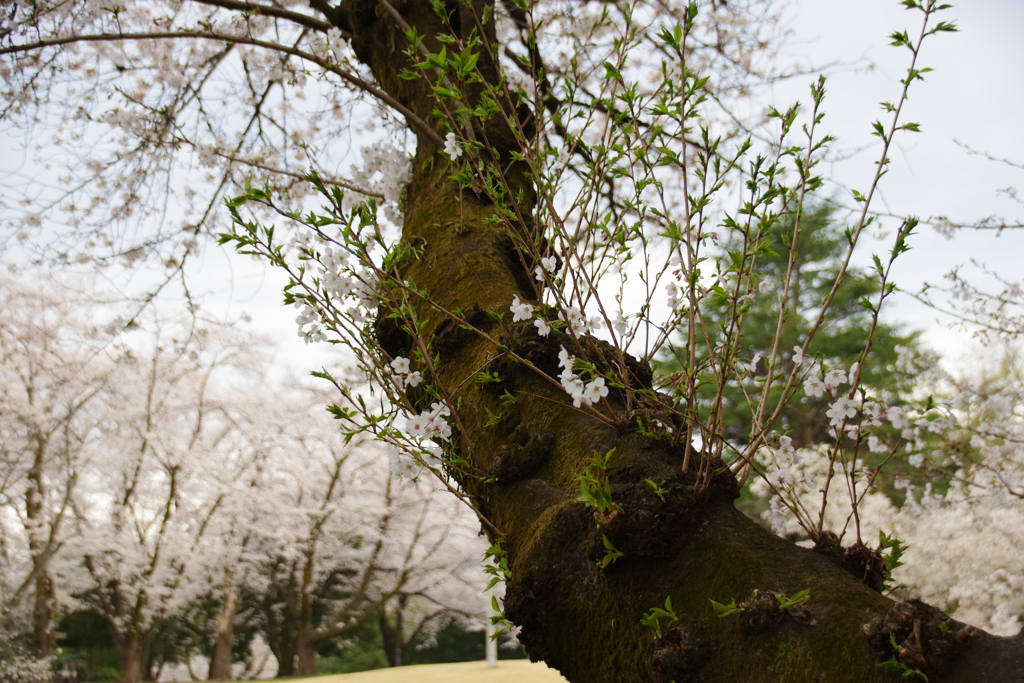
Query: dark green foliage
{"points": [[89, 645], [365, 650], [820, 249], [361, 650], [172, 644]]}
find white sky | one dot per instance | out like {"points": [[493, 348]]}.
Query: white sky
{"points": [[974, 96]]}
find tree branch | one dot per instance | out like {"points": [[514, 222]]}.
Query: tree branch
{"points": [[277, 12], [345, 75]]}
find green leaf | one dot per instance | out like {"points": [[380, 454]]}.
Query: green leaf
{"points": [[725, 610]]}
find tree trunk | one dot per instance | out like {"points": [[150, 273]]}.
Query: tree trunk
{"points": [[281, 624], [43, 599], [42, 615], [285, 655], [220, 657], [391, 633], [305, 655], [130, 654], [693, 546]]}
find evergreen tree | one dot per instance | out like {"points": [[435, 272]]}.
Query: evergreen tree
{"points": [[841, 338]]}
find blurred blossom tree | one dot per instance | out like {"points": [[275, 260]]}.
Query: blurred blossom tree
{"points": [[961, 488], [55, 376], [149, 520], [347, 539], [502, 295], [141, 468]]}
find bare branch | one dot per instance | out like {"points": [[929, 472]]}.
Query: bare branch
{"points": [[277, 12], [323, 63]]}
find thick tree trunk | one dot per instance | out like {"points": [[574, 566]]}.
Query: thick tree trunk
{"points": [[305, 655], [285, 655], [130, 654], [220, 657], [692, 547]]}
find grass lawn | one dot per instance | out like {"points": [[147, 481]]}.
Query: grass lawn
{"points": [[507, 671]]}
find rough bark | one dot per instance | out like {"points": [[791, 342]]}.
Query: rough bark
{"points": [[693, 546]]}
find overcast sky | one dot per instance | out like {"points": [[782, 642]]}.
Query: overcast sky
{"points": [[974, 96]]}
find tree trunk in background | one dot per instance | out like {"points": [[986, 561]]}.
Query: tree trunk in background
{"points": [[220, 657], [130, 653], [43, 593], [692, 546], [305, 656], [391, 633], [285, 655], [43, 615]]}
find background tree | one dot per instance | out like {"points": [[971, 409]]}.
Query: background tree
{"points": [[348, 540], [54, 376], [152, 509], [840, 339]]}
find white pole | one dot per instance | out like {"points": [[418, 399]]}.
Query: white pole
{"points": [[490, 643]]}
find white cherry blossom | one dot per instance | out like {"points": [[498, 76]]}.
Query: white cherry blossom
{"points": [[842, 409], [814, 387], [451, 147], [520, 310], [595, 391]]}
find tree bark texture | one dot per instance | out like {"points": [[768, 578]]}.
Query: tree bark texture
{"points": [[43, 614], [693, 546]]}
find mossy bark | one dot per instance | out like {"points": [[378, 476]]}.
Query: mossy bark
{"points": [[693, 546]]}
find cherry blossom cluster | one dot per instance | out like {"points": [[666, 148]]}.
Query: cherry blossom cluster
{"points": [[547, 265], [844, 407], [431, 424], [406, 468], [943, 531], [403, 375], [815, 386], [337, 47], [19, 665], [308, 315], [574, 386], [572, 316], [339, 280], [385, 169], [577, 321], [524, 311]]}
